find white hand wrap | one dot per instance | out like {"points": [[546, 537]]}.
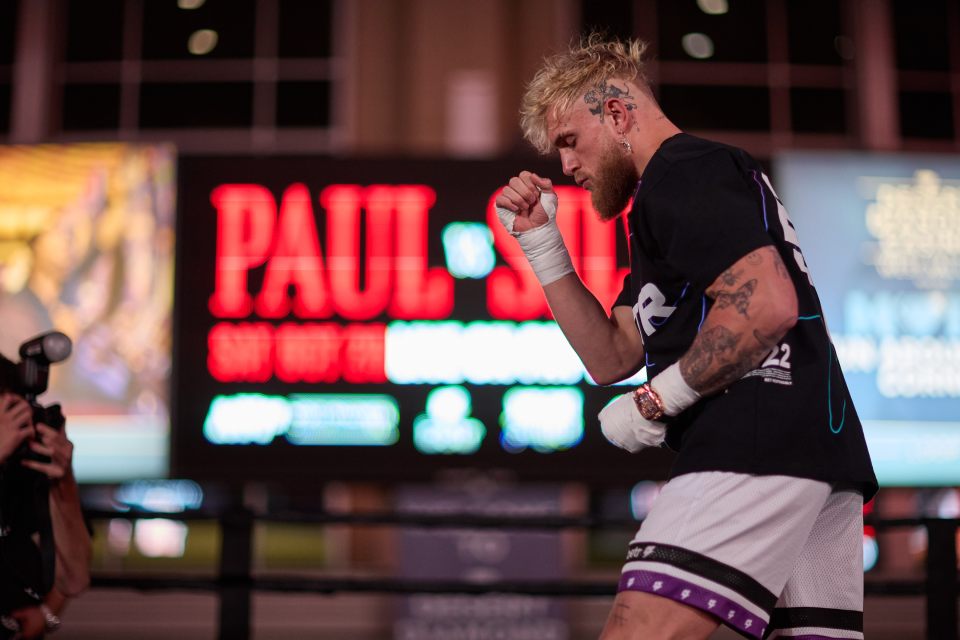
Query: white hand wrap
{"points": [[622, 424], [543, 246], [673, 390]]}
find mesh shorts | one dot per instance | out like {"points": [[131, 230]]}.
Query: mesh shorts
{"points": [[769, 556]]}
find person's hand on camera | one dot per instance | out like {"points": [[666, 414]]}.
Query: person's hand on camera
{"points": [[53, 444], [32, 622], [15, 427]]}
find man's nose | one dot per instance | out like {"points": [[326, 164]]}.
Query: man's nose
{"points": [[568, 162]]}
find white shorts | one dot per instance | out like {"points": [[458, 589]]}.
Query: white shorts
{"points": [[769, 556]]}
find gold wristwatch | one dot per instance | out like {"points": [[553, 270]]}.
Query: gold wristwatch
{"points": [[648, 402], [50, 619]]}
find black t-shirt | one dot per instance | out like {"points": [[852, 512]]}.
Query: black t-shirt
{"points": [[701, 206]]}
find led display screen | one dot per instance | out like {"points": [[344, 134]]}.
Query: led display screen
{"points": [[362, 319], [86, 248], [882, 237]]}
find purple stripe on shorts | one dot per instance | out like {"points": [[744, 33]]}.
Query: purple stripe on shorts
{"points": [[727, 611], [808, 637]]}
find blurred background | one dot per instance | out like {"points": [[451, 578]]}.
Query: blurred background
{"points": [[264, 225]]}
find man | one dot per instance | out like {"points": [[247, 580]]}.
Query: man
{"points": [[28, 604], [760, 526]]}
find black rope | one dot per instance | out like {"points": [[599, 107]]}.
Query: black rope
{"points": [[460, 520], [329, 585], [234, 577], [385, 518], [332, 585]]}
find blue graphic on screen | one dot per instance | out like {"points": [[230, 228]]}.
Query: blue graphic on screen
{"points": [[468, 249], [881, 234]]}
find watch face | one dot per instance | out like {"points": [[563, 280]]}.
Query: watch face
{"points": [[649, 412], [647, 405], [50, 619]]}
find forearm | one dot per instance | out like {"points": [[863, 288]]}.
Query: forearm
{"points": [[724, 351], [755, 304], [71, 538], [609, 351], [610, 347]]}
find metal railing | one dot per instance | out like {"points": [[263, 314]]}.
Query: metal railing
{"points": [[235, 582]]}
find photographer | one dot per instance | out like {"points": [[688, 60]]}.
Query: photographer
{"points": [[45, 546]]}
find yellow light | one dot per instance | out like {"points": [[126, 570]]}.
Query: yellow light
{"points": [[698, 45], [713, 7], [202, 42]]}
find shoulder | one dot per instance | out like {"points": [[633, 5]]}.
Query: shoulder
{"points": [[689, 165], [683, 148], [688, 154]]}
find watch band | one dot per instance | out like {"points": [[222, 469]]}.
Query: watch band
{"points": [[648, 402]]}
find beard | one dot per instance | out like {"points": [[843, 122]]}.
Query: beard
{"points": [[615, 182]]}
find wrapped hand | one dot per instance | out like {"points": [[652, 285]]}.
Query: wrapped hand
{"points": [[622, 425]]}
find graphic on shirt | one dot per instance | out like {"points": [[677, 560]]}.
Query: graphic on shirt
{"points": [[651, 303], [775, 367], [789, 231]]}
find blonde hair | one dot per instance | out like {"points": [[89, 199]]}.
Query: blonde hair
{"points": [[563, 78]]}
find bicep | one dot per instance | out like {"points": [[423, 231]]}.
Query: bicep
{"points": [[756, 289]]}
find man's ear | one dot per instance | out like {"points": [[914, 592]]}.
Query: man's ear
{"points": [[619, 113]]}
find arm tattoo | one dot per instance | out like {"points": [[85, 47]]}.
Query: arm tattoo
{"points": [[739, 299], [599, 95], [715, 344], [730, 277], [715, 360], [720, 355]]}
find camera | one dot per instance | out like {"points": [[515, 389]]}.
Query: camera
{"points": [[29, 377], [27, 556]]}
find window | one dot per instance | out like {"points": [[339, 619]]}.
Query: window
{"points": [[305, 29], [612, 17], [815, 33], [713, 108], [206, 105], [5, 96], [303, 104], [926, 114], [169, 29], [91, 107], [247, 69], [94, 35], [739, 34], [922, 45], [8, 25], [769, 74], [815, 110], [921, 35]]}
